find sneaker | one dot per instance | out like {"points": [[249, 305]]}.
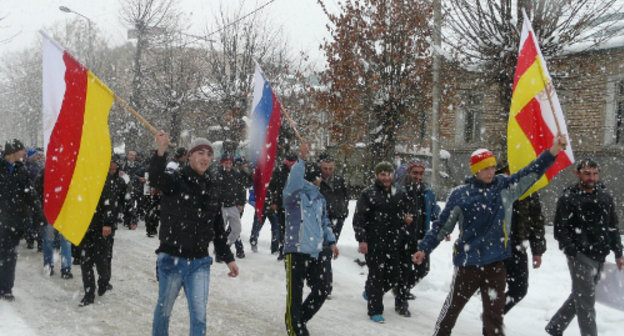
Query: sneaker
{"points": [[378, 319], [364, 295], [403, 311], [8, 297], [86, 300], [66, 274]]}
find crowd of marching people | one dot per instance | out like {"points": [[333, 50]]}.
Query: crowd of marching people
{"points": [[195, 197]]}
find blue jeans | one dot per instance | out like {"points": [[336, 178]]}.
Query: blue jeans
{"points": [[275, 230], [173, 274], [49, 236]]}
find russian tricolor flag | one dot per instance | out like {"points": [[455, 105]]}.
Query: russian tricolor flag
{"points": [[266, 119]]}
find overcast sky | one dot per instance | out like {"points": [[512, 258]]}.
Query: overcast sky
{"points": [[302, 20]]}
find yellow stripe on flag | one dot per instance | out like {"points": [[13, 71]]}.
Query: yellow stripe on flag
{"points": [[92, 164], [528, 86]]}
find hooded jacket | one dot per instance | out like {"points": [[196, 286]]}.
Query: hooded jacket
{"points": [[483, 212], [307, 225], [587, 223]]}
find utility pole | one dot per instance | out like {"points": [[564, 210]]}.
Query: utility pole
{"points": [[435, 115]]}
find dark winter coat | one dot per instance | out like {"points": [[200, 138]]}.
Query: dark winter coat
{"points": [[17, 195], [527, 223], [415, 205], [336, 196], [107, 212], [231, 187], [190, 212], [277, 184], [378, 218], [483, 212], [587, 223]]}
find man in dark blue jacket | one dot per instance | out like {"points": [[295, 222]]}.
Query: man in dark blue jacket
{"points": [[483, 208]]}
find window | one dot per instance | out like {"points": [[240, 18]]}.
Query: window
{"points": [[619, 114], [614, 112], [472, 116]]}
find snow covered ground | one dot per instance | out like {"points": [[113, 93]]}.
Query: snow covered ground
{"points": [[253, 303]]}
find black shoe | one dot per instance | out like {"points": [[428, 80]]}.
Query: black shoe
{"points": [[86, 300], [281, 256], [30, 245], [240, 255], [150, 235], [76, 261], [403, 311], [66, 274], [8, 297], [104, 289]]}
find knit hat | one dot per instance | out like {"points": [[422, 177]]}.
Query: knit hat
{"points": [[384, 166], [325, 157], [415, 164], [312, 172], [481, 159], [226, 157], [31, 152], [200, 143], [13, 146]]}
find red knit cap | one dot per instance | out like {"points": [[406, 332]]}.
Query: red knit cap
{"points": [[481, 159]]}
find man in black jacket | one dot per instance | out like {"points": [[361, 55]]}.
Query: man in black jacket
{"points": [[586, 227], [232, 194], [16, 197], [190, 220], [97, 245], [335, 192], [377, 223]]}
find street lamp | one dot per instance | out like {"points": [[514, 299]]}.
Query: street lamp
{"points": [[89, 29]]}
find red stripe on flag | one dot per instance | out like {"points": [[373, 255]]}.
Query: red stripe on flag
{"points": [[532, 124], [560, 164], [65, 138], [526, 58], [266, 160]]}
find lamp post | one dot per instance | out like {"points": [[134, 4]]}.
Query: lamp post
{"points": [[89, 30]]}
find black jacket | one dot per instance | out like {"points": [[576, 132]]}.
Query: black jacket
{"points": [[277, 184], [336, 196], [587, 223], [109, 206], [378, 218], [17, 195], [414, 203], [190, 212], [527, 223], [231, 187]]}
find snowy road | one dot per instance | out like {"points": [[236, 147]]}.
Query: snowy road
{"points": [[253, 303]]}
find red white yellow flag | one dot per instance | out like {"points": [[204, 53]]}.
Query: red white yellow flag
{"points": [[76, 141], [535, 112]]}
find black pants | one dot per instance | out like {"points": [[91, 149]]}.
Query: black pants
{"points": [[152, 215], [96, 253], [8, 260], [300, 267], [383, 274], [281, 218], [517, 276]]}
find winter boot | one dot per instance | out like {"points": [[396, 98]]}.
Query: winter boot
{"points": [[66, 274], [86, 300]]}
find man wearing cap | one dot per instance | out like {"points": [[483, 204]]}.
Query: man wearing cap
{"points": [[16, 196], [482, 207], [232, 200], [309, 244], [274, 195], [190, 220], [377, 223]]}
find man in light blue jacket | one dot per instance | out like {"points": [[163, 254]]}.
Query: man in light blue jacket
{"points": [[309, 244]]}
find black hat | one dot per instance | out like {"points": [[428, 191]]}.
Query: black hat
{"points": [[13, 146], [226, 157], [326, 157], [312, 172], [291, 156]]}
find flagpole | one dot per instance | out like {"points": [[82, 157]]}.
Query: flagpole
{"points": [[552, 108], [136, 114], [292, 125]]}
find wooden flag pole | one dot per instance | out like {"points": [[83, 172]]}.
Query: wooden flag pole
{"points": [[546, 84], [136, 114], [292, 124]]}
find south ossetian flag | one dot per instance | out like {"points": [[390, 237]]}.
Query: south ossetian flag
{"points": [[266, 120], [532, 126], [76, 141]]}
